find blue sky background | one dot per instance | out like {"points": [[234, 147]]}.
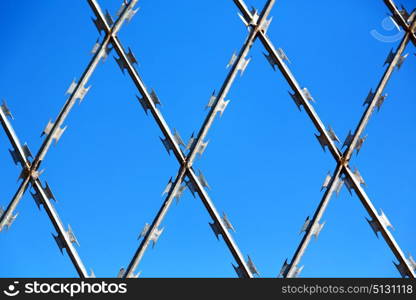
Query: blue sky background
{"points": [[263, 162]]}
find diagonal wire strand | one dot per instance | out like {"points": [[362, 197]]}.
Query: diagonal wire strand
{"points": [[30, 171], [310, 231], [324, 135], [186, 167], [127, 64]]}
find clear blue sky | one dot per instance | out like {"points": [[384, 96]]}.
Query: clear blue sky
{"points": [[263, 162]]}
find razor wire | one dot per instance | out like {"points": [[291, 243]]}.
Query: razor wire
{"points": [[334, 183], [327, 138], [186, 177], [173, 141], [53, 132]]}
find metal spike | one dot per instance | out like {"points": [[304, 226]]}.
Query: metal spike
{"points": [[222, 106], [384, 221], [95, 47], [332, 135], [326, 181], [99, 25], [411, 18], [401, 268], [23, 174], [255, 16], [307, 95], [137, 275], [242, 66], [144, 104], [57, 134], [108, 18], [296, 98], [6, 109], [316, 229], [155, 236], [239, 271], [349, 184], [191, 187], [266, 24], [401, 60], [348, 140], [380, 101], [38, 199], [232, 60], [59, 242], [285, 268], [48, 192], [144, 231], [121, 63], [252, 267], [389, 58], [322, 140], [191, 142], [282, 55], [168, 187], [227, 222], [339, 185], [306, 225], [168, 145], [10, 219], [177, 138], [121, 9], [131, 13], [130, 56], [359, 177], [179, 193], [71, 236], [107, 52], [271, 60], [16, 157], [359, 144], [202, 147], [26, 151], [72, 87], [155, 98], [369, 98], [412, 262], [82, 91], [48, 128], [215, 227], [203, 180], [404, 13], [297, 271], [121, 273], [212, 100]]}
